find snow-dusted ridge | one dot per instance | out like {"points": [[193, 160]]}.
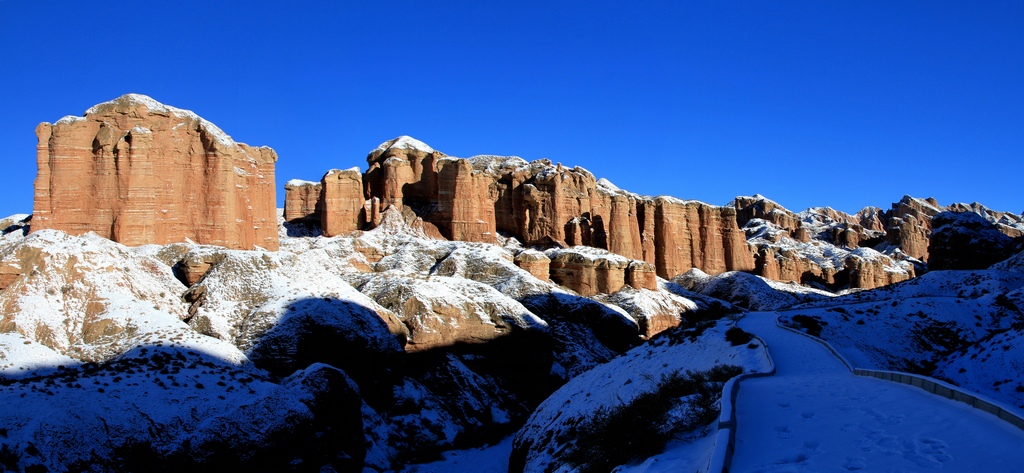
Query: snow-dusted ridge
{"points": [[154, 107], [405, 142]]}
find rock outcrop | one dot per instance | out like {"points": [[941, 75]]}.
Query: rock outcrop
{"points": [[302, 201], [140, 172], [967, 240], [533, 261], [543, 205], [342, 202], [546, 205]]}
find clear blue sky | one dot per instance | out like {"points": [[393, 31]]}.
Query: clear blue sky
{"points": [[837, 103]]}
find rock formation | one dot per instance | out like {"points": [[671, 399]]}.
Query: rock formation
{"points": [[967, 240], [302, 200], [588, 272], [533, 261], [546, 205], [341, 197], [140, 172], [749, 208]]}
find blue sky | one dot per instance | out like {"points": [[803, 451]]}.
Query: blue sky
{"points": [[845, 104]]}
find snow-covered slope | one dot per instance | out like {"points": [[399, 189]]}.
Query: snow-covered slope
{"points": [[424, 345], [962, 326], [549, 440]]}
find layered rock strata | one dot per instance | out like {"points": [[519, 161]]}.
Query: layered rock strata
{"points": [[302, 200], [140, 172], [541, 204], [547, 205], [341, 196]]}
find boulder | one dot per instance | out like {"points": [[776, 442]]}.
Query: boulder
{"points": [[533, 261]]}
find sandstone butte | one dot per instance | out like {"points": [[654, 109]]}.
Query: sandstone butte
{"points": [[141, 172]]}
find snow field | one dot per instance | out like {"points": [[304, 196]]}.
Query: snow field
{"points": [[815, 415]]}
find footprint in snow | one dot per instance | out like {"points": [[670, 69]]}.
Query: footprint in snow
{"points": [[805, 453], [783, 404], [783, 432], [854, 463], [807, 415], [926, 452]]}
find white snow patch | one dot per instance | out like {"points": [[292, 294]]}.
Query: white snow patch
{"points": [[405, 142], [161, 109]]}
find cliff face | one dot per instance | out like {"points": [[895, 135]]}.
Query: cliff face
{"points": [[548, 205], [545, 204], [302, 200], [140, 172]]}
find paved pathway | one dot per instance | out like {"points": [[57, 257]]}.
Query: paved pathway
{"points": [[814, 415]]}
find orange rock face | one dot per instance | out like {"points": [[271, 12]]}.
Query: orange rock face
{"points": [[465, 203], [588, 272], [139, 172], [343, 209], [551, 206], [689, 234], [641, 275], [545, 204], [302, 200], [533, 261], [748, 208]]}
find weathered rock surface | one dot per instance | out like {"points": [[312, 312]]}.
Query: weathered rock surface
{"points": [[533, 261], [588, 271], [749, 208], [543, 204], [547, 205], [140, 172], [302, 200], [690, 234], [342, 205], [967, 240]]}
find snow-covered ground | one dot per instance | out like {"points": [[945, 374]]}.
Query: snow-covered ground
{"points": [[814, 415]]}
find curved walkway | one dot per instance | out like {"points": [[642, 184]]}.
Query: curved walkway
{"points": [[814, 415]]}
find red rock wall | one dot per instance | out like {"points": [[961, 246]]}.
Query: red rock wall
{"points": [[343, 204], [302, 201], [139, 172], [545, 204], [465, 202]]}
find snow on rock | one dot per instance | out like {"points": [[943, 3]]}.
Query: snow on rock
{"points": [[157, 108], [181, 408], [966, 241], [406, 143], [548, 438], [20, 354], [654, 311], [300, 182], [746, 290], [248, 293], [442, 311], [92, 299], [1013, 263], [496, 165]]}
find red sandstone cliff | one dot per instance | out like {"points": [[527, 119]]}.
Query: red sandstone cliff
{"points": [[140, 172], [548, 205], [542, 204]]}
